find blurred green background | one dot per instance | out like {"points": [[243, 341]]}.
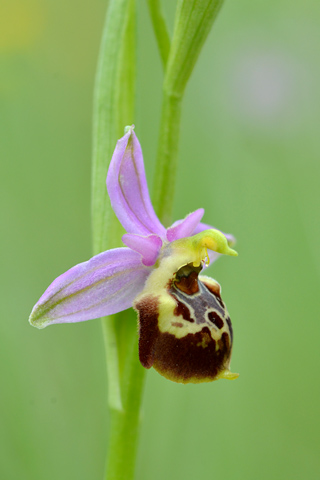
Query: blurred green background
{"points": [[249, 154]]}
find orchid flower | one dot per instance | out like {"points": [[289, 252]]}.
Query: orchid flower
{"points": [[185, 331]]}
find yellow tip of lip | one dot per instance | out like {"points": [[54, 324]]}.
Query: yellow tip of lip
{"points": [[227, 375]]}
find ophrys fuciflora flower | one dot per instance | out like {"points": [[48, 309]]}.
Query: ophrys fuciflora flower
{"points": [[185, 331]]}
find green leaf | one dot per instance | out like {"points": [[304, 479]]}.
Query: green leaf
{"points": [[193, 23], [160, 29], [113, 110]]}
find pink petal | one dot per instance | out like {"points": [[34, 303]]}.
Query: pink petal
{"points": [[106, 284], [148, 247], [185, 228], [128, 189]]}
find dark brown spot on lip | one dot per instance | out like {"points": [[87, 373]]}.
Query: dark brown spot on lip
{"points": [[230, 327], [192, 358], [189, 284], [183, 310], [177, 324], [148, 309], [198, 304], [215, 289], [216, 319], [224, 342]]}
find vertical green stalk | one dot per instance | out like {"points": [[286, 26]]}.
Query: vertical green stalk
{"points": [[160, 29], [193, 22], [167, 157], [125, 424], [113, 110]]}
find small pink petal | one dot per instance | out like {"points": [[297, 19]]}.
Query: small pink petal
{"points": [[148, 247], [185, 228]]}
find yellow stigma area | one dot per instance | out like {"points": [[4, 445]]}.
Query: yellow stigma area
{"points": [[198, 244]]}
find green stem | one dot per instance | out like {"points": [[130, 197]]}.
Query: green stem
{"points": [[193, 22], [167, 157], [125, 424], [125, 421], [160, 29], [112, 362], [113, 110]]}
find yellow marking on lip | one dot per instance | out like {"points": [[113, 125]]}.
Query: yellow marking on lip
{"points": [[205, 341]]}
